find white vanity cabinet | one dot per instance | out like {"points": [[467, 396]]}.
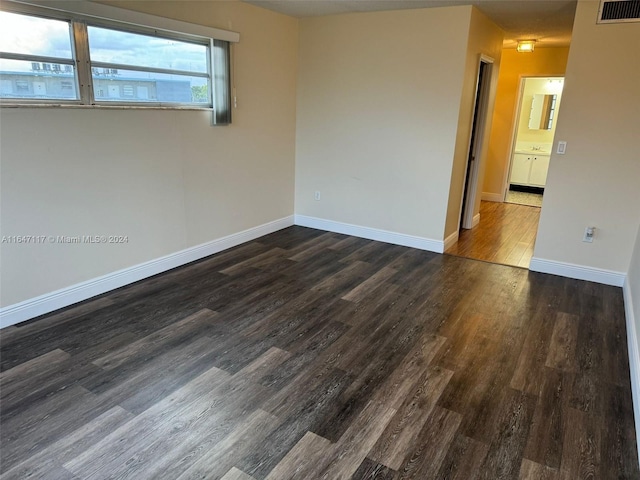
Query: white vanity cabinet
{"points": [[529, 169], [539, 170]]}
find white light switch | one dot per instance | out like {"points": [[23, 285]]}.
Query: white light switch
{"points": [[562, 147]]}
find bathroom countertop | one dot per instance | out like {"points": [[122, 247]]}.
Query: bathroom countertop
{"points": [[533, 152]]}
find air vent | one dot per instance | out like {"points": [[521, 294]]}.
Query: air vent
{"points": [[617, 11]]}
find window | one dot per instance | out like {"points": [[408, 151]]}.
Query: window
{"points": [[62, 57], [177, 71], [114, 91], [29, 45], [22, 87]]}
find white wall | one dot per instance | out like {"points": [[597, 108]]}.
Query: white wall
{"points": [[632, 309], [485, 37], [378, 103], [597, 181], [633, 282], [167, 179]]}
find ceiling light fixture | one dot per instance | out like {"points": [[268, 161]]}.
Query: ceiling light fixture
{"points": [[526, 46]]}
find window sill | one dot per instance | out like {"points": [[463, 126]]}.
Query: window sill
{"points": [[103, 107]]}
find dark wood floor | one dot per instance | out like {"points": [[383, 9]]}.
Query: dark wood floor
{"points": [[506, 234], [313, 355]]}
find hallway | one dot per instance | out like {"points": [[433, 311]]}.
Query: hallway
{"points": [[506, 234]]}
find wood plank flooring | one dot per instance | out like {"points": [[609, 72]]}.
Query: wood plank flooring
{"points": [[506, 234], [312, 355]]}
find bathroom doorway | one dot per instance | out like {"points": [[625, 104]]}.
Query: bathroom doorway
{"points": [[534, 130]]}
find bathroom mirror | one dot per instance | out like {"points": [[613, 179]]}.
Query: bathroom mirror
{"points": [[542, 112]]}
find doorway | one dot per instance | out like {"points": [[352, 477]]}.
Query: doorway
{"points": [[533, 133], [508, 229], [506, 234], [476, 142]]}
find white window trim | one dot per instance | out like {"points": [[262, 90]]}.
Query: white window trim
{"points": [[106, 15]]}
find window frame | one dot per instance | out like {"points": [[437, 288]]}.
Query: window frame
{"points": [[150, 32], [55, 15], [105, 16]]}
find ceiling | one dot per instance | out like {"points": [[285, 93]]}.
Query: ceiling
{"points": [[549, 22]]}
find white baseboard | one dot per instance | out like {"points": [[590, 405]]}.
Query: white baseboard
{"points": [[19, 312], [580, 272], [371, 233], [451, 240], [634, 357], [476, 220], [492, 197]]}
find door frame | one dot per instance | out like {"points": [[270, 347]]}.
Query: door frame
{"points": [[476, 143], [514, 130]]}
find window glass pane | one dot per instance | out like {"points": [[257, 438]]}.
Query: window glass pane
{"points": [[23, 34], [126, 67], [37, 80], [133, 86], [124, 48]]}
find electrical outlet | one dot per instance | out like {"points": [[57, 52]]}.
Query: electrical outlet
{"points": [[317, 195], [588, 234]]}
